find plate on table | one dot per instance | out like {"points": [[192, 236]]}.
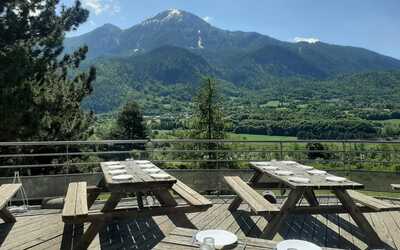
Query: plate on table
{"points": [[142, 162], [299, 179], [283, 172], [221, 238], [151, 170], [289, 163], [114, 167], [262, 163], [297, 244], [110, 163], [117, 172], [147, 166], [335, 179], [317, 172], [160, 176], [305, 167], [122, 177]]}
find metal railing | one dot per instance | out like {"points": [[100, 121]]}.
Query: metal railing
{"points": [[360, 160]]}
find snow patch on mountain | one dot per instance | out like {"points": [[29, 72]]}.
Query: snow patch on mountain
{"points": [[306, 39], [200, 41]]}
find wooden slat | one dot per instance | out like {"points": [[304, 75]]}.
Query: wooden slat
{"points": [[191, 196], [376, 204], [257, 203], [75, 204], [7, 191]]}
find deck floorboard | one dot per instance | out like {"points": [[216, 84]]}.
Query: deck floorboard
{"points": [[43, 229]]}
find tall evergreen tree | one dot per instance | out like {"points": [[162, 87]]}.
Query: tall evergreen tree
{"points": [[40, 90], [130, 125], [208, 119]]}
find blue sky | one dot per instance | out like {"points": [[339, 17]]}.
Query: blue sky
{"points": [[371, 24]]}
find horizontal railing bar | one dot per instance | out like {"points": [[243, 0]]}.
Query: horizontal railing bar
{"points": [[111, 142]]}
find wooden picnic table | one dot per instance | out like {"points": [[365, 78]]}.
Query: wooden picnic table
{"points": [[157, 192], [183, 238], [350, 200]]}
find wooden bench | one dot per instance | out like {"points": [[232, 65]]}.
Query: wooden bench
{"points": [[7, 191], [190, 196], [75, 203], [256, 201], [371, 202]]}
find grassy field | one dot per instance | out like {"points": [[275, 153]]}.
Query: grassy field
{"points": [[392, 121], [250, 137]]}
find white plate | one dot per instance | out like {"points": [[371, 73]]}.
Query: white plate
{"points": [[160, 176], [262, 163], [142, 162], [299, 179], [317, 172], [147, 166], [109, 163], [290, 163], [117, 171], [297, 244], [113, 167], [221, 238], [283, 172], [122, 177], [305, 167], [335, 179], [151, 170]]}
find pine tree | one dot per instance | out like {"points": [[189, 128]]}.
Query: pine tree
{"points": [[41, 90], [130, 125], [208, 119]]}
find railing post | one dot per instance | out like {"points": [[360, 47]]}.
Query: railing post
{"points": [[281, 151], [343, 155]]}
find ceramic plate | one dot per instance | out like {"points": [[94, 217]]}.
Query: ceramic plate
{"points": [[122, 177], [113, 167], [142, 162], [160, 176], [317, 172], [221, 238], [117, 171], [335, 178], [305, 167], [147, 166], [297, 244], [283, 172], [299, 179], [151, 170]]}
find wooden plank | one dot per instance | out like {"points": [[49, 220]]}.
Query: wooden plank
{"points": [[70, 200], [253, 180], [191, 196], [277, 219], [7, 216], [7, 191], [81, 200], [75, 204], [246, 193], [371, 236], [371, 202]]}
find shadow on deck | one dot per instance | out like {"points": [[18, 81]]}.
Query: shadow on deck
{"points": [[43, 229]]}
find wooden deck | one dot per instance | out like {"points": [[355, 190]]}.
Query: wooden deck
{"points": [[44, 229]]}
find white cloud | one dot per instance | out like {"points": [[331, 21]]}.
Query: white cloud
{"points": [[100, 6], [208, 19], [306, 39]]}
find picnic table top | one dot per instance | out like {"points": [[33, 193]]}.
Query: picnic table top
{"points": [[316, 181], [140, 179], [182, 238]]}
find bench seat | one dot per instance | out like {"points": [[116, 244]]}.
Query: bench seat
{"points": [[7, 191], [257, 203], [191, 196], [371, 202], [75, 203]]}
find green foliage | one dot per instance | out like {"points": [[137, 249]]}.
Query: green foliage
{"points": [[40, 100], [129, 124]]}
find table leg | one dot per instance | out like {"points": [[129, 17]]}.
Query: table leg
{"points": [[179, 219], [275, 221], [7, 216], [372, 237], [96, 226], [139, 198], [311, 198], [94, 192], [237, 200]]}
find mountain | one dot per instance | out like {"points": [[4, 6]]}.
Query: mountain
{"points": [[222, 48]]}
